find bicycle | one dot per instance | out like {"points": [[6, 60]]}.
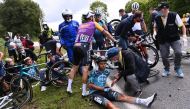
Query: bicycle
{"points": [[148, 52], [112, 26], [59, 71]]}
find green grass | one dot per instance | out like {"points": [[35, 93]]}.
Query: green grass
{"points": [[56, 97]]}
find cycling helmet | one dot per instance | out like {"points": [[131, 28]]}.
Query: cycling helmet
{"points": [[135, 6], [88, 14], [101, 59], [45, 26], [112, 52], [67, 12]]}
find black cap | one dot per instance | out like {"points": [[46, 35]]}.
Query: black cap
{"points": [[163, 5]]}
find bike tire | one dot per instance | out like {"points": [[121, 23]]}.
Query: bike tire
{"points": [[155, 53], [21, 87], [114, 23], [59, 78]]}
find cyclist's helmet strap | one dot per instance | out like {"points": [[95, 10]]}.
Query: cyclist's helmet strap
{"points": [[135, 6]]}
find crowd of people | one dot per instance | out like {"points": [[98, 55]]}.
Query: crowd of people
{"points": [[93, 33]]}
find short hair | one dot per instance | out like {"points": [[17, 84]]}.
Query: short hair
{"points": [[121, 10], [138, 14]]}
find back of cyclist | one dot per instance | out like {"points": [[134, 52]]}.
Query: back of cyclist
{"points": [[81, 48], [98, 35], [131, 66], [67, 32]]}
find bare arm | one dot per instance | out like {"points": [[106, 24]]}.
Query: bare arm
{"points": [[92, 86], [107, 34], [184, 30], [143, 25]]}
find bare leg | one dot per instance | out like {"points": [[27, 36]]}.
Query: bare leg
{"points": [[84, 79], [110, 105]]}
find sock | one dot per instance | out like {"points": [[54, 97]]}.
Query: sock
{"points": [[69, 85], [145, 102], [141, 101], [83, 89]]}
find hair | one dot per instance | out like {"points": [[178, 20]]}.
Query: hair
{"points": [[138, 14], [121, 10]]}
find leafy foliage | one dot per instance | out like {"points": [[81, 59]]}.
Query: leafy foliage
{"points": [[20, 16], [179, 6], [99, 6]]}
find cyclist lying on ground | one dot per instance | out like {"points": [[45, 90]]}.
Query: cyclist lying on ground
{"points": [[131, 66], [104, 95], [33, 71], [81, 48]]}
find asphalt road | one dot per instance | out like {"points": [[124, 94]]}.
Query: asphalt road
{"points": [[173, 92]]}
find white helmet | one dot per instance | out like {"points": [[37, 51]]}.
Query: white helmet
{"points": [[67, 12], [88, 14], [135, 6]]}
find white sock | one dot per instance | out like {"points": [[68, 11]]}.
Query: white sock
{"points": [[83, 89], [69, 87], [140, 101], [145, 102]]}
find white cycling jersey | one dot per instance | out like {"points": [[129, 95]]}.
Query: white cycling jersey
{"points": [[137, 25]]}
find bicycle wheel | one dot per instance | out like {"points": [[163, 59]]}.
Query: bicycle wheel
{"points": [[113, 25], [22, 91], [152, 56], [58, 73]]}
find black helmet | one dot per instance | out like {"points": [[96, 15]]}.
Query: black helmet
{"points": [[101, 59], [163, 5]]}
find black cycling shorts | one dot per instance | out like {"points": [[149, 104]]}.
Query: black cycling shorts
{"points": [[103, 98], [81, 55]]}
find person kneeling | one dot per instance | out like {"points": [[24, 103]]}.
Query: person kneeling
{"points": [[103, 95]]}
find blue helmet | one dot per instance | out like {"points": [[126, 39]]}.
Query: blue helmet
{"points": [[112, 52]]}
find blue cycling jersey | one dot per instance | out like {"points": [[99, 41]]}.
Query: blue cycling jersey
{"points": [[68, 32], [98, 78], [98, 35]]}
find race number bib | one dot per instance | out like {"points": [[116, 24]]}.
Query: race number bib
{"points": [[84, 38]]}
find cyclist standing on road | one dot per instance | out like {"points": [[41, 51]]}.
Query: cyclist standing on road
{"points": [[81, 48], [67, 32], [166, 25], [103, 95], [98, 35]]}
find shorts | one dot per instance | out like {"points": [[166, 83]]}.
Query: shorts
{"points": [[103, 98], [81, 55]]}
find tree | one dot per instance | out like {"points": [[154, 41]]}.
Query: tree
{"points": [[20, 16], [101, 7]]}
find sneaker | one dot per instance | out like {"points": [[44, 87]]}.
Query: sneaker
{"points": [[179, 73], [165, 73], [43, 88], [150, 100], [86, 94], [69, 91]]}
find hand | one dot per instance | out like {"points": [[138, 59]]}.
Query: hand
{"points": [[184, 38], [107, 89]]}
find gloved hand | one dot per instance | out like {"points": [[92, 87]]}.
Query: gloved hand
{"points": [[184, 38], [107, 89]]}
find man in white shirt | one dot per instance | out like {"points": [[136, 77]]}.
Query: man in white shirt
{"points": [[166, 26]]}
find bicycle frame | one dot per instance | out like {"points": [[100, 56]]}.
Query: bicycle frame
{"points": [[5, 100]]}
